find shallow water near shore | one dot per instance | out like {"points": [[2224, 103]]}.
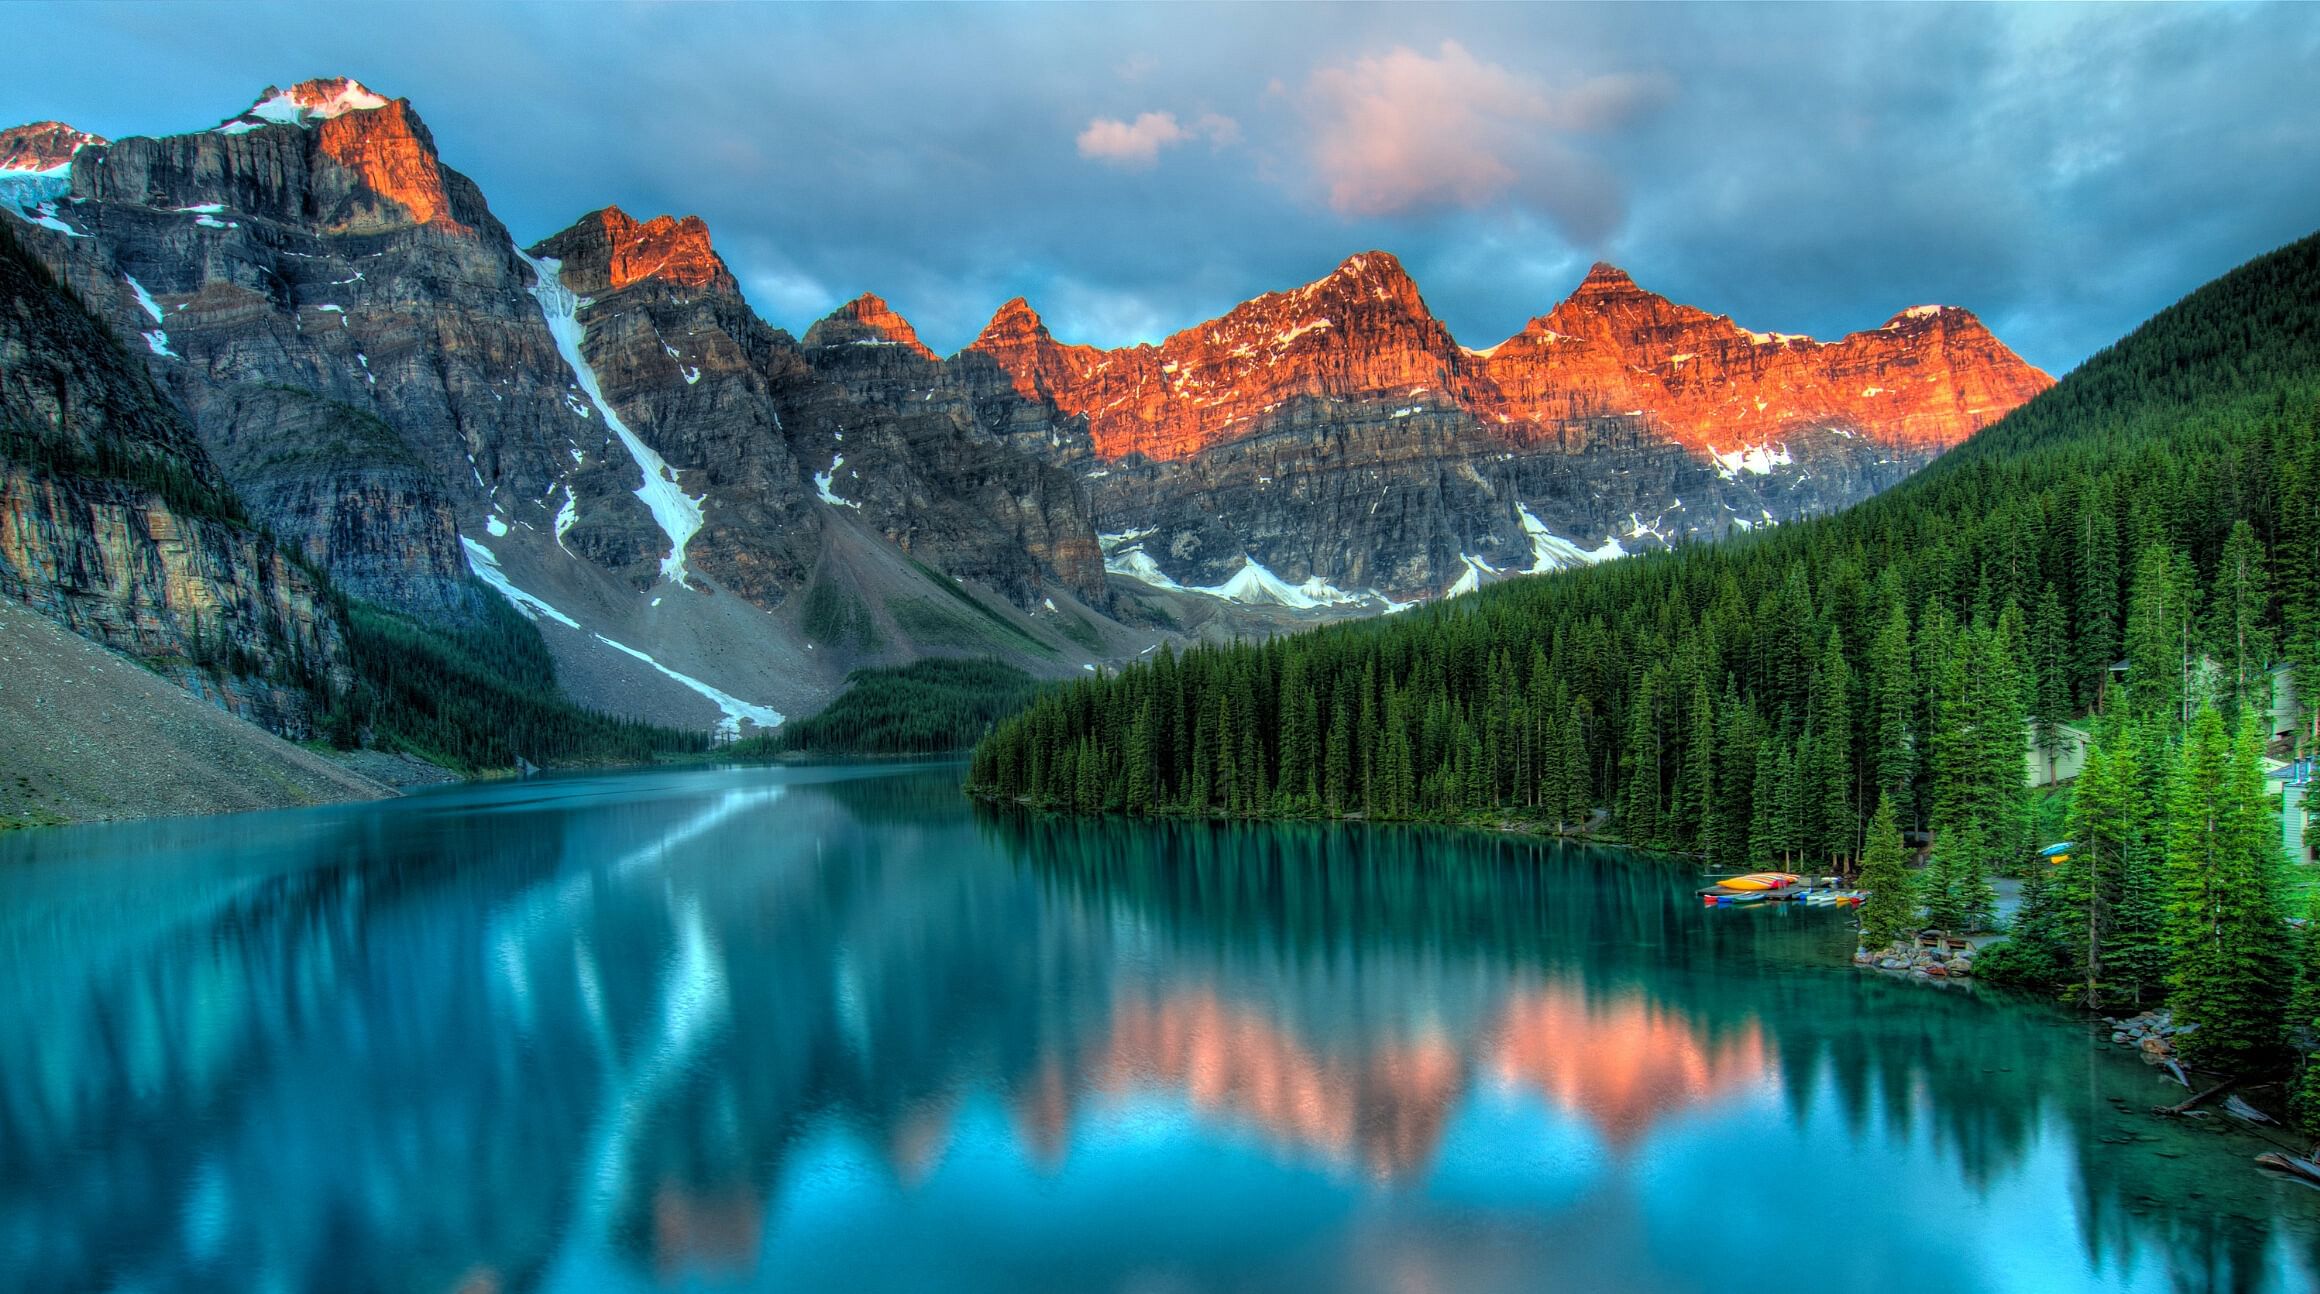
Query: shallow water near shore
{"points": [[837, 1028]]}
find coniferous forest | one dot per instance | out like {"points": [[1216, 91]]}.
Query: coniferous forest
{"points": [[2130, 555]]}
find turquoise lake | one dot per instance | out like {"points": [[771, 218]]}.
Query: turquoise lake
{"points": [[841, 1029]]}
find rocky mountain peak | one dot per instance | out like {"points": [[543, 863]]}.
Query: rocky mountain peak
{"points": [[381, 140], [42, 146], [1014, 321], [1373, 273], [1605, 279], [306, 103], [876, 321], [607, 250], [1920, 318]]}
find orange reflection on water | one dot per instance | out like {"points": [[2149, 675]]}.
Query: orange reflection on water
{"points": [[705, 1234], [1383, 1111], [1623, 1065]]}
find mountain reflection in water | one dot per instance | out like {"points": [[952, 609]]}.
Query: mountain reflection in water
{"points": [[809, 1029]]}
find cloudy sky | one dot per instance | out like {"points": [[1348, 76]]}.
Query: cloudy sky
{"points": [[2064, 171]]}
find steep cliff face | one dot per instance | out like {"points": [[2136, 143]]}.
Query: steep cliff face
{"points": [[688, 369], [1334, 445], [913, 451], [774, 433], [1927, 379], [315, 243], [115, 523]]}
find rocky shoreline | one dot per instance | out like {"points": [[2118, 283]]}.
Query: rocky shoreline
{"points": [[1919, 962]]}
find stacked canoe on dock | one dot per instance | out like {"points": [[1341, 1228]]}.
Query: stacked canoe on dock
{"points": [[1777, 887]]}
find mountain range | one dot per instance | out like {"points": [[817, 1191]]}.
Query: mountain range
{"points": [[360, 378]]}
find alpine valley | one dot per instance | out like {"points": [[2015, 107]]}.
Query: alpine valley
{"points": [[275, 378]]}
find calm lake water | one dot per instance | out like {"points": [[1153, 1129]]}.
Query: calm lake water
{"points": [[815, 1029]]}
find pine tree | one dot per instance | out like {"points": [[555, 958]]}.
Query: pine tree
{"points": [[1826, 763], [2237, 630], [1337, 785], [2035, 950], [2095, 597], [1890, 911], [2224, 926], [1893, 701], [1764, 827], [2050, 699], [2158, 632], [2303, 1023], [1139, 792], [1697, 818], [1937, 887], [1578, 775]]}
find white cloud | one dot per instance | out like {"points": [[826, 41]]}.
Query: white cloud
{"points": [[1136, 145]]}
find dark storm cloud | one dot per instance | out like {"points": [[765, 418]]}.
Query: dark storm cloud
{"points": [[2063, 171]]}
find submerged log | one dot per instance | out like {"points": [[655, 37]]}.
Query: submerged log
{"points": [[2293, 1165], [2185, 1106]]}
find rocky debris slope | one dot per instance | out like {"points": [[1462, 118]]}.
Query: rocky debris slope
{"points": [[90, 735]]}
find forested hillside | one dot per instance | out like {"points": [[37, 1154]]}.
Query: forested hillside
{"points": [[928, 707], [1754, 700]]}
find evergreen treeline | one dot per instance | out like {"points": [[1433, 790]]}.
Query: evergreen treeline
{"points": [[1755, 700], [475, 698], [928, 707]]}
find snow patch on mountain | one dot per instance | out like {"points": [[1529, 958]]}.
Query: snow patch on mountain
{"points": [[822, 482], [735, 709], [1551, 552], [486, 567], [485, 564], [677, 513], [1758, 460], [33, 196], [1254, 585], [305, 104], [1469, 579]]}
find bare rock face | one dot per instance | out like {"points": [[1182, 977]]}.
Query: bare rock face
{"points": [[316, 243], [348, 492], [1336, 434], [115, 523], [914, 452], [42, 146], [875, 323], [1927, 379], [607, 251], [691, 370], [775, 433]]}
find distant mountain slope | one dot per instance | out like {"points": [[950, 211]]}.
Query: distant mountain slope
{"points": [[1336, 440], [598, 422], [598, 425], [1753, 699]]}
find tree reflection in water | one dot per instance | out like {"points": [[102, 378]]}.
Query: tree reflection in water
{"points": [[813, 1028]]}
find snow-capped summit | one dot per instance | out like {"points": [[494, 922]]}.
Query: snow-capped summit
{"points": [[42, 146], [306, 103]]}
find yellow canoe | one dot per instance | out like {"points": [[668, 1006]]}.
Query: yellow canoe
{"points": [[1762, 881]]}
